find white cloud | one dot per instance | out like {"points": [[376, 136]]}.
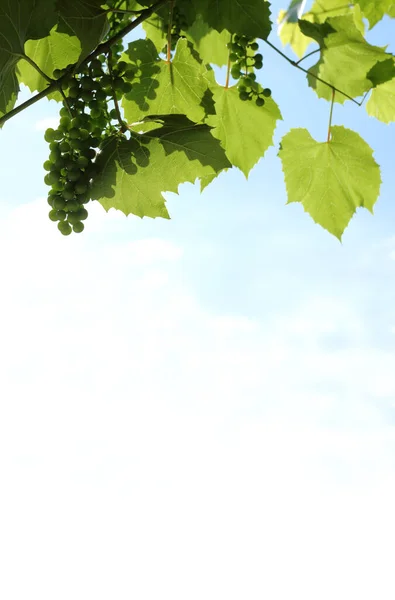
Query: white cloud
{"points": [[151, 447], [44, 124]]}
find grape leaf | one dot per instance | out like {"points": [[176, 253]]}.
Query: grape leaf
{"points": [[374, 10], [244, 129], [162, 87], [346, 57], [245, 17], [55, 51], [209, 43], [20, 20], [135, 172], [381, 103], [84, 19], [382, 72], [331, 180]]}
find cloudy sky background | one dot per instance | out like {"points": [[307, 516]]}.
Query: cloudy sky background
{"points": [[200, 408]]}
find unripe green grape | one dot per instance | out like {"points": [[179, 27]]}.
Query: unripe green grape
{"points": [[236, 73], [82, 213], [236, 48], [74, 92], [63, 171], [258, 58], [74, 175], [248, 81], [75, 122], [81, 188], [59, 203], [64, 121], [254, 46], [64, 227], [260, 101], [95, 113], [244, 96], [86, 95], [258, 66], [53, 215], [64, 112], [58, 186], [73, 218], [82, 161], [84, 134], [233, 56], [72, 206], [61, 215], [87, 84], [121, 66], [68, 194], [48, 165], [83, 198], [51, 200], [74, 133], [49, 135], [52, 177], [267, 92], [64, 146]]}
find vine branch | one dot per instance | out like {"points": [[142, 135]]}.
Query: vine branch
{"points": [[36, 67], [295, 64], [103, 48], [330, 116]]}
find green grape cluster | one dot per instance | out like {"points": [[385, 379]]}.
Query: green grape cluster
{"points": [[89, 115], [244, 59], [86, 121]]}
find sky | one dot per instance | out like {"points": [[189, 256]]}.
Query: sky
{"points": [[202, 407]]}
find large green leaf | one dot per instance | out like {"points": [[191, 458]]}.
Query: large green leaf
{"points": [[135, 172], [245, 17], [20, 20], [55, 51], [374, 10], [381, 103], [331, 179], [346, 57], [163, 87], [84, 19], [244, 129], [210, 43]]}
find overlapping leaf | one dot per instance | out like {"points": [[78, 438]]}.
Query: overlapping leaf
{"points": [[374, 10], [346, 57], [331, 180], [381, 103], [244, 129], [20, 20], [245, 17], [84, 19], [135, 172], [55, 51], [163, 87]]}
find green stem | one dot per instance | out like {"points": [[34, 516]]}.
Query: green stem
{"points": [[101, 49], [114, 94], [330, 116], [36, 67], [307, 55], [171, 7], [295, 64]]}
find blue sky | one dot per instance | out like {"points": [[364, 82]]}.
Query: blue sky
{"points": [[203, 407]]}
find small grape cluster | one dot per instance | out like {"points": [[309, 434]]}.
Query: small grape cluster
{"points": [[86, 120], [244, 60]]}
